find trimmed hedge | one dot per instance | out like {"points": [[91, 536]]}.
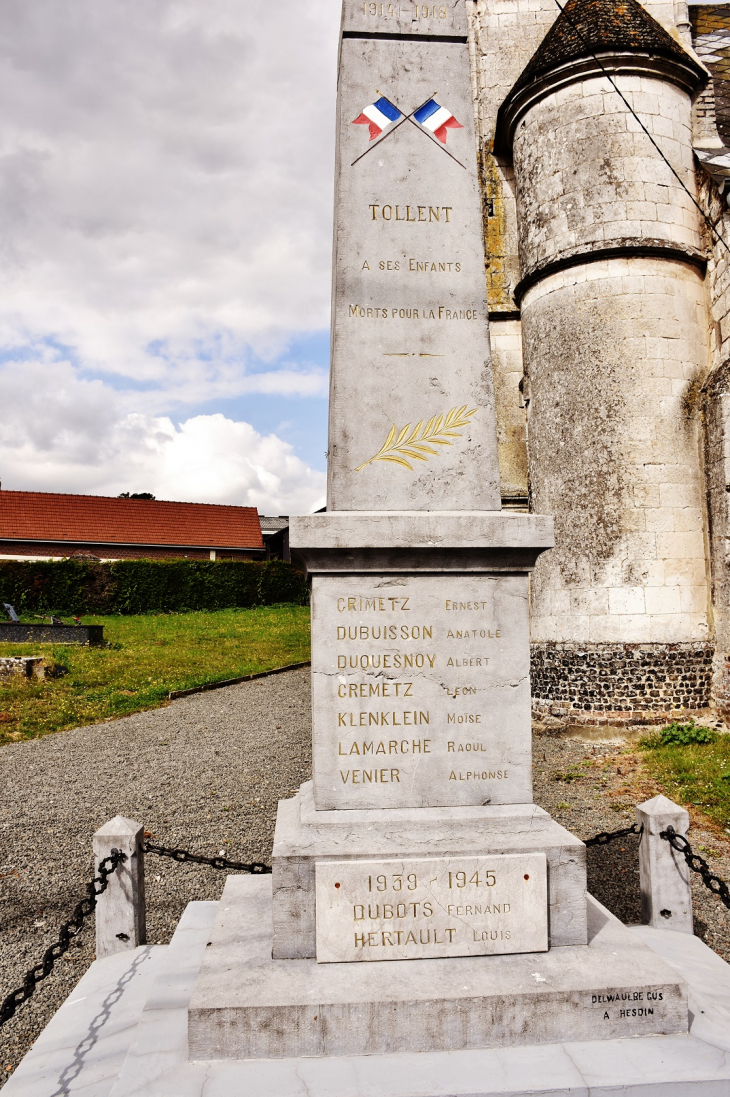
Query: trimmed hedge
{"points": [[147, 586]]}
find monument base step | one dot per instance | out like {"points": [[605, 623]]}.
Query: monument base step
{"points": [[106, 1042], [304, 836], [247, 1005]]}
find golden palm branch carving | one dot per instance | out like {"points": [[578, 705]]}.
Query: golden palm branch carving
{"points": [[418, 443]]}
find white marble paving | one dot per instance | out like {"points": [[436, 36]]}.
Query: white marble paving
{"points": [[82, 1049], [156, 1063]]}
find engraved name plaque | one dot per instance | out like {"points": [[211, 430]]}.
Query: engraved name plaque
{"points": [[420, 688], [435, 907]]}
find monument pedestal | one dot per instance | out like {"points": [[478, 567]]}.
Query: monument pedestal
{"points": [[246, 1005], [305, 836]]}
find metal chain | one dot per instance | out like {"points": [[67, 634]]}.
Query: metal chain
{"points": [[697, 864], [66, 934], [607, 836], [183, 855]]}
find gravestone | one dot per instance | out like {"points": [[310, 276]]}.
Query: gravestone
{"points": [[420, 899]]}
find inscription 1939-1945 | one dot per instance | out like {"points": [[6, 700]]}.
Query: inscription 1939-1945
{"points": [[441, 906]]}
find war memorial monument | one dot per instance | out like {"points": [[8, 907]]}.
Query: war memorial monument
{"points": [[426, 928]]}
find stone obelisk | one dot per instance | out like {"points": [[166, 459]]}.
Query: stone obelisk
{"points": [[417, 842]]}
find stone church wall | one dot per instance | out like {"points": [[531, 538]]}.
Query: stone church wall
{"points": [[588, 178], [614, 347], [715, 407]]}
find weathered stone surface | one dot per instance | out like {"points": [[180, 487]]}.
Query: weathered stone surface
{"points": [[420, 691], [30, 666], [413, 909], [410, 324], [305, 836], [120, 909], [666, 895], [620, 474], [246, 1005], [405, 529]]}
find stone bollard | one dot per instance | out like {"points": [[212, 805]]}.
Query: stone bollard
{"points": [[666, 896], [120, 910]]}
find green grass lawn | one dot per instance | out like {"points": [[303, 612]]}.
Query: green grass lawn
{"points": [[696, 774], [146, 657]]}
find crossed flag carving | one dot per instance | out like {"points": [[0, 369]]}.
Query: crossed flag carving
{"points": [[383, 118]]}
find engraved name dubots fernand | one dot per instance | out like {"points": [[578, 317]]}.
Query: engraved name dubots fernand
{"points": [[400, 640], [406, 913]]}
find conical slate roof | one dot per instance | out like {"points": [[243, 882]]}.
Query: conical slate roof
{"points": [[595, 26]]}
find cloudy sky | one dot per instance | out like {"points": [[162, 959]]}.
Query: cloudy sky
{"points": [[165, 238]]}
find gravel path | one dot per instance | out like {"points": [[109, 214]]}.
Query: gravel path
{"points": [[205, 773]]}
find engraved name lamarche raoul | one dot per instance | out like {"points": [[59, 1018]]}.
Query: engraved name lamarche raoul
{"points": [[384, 746]]}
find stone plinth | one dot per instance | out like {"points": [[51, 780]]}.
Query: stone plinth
{"points": [[420, 656], [248, 1006], [305, 836]]}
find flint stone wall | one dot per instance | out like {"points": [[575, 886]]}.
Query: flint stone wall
{"points": [[620, 680]]}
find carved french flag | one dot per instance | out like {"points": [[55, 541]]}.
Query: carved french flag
{"points": [[437, 119], [378, 116]]}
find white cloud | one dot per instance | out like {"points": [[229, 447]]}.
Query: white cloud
{"points": [[165, 199], [77, 436]]}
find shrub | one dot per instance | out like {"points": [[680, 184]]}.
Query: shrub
{"points": [[147, 586], [679, 735]]}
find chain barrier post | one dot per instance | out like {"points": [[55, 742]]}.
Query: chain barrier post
{"points": [[120, 910], [666, 895]]}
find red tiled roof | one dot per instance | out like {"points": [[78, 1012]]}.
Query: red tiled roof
{"points": [[97, 519]]}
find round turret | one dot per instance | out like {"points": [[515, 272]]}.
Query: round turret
{"points": [[614, 342]]}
